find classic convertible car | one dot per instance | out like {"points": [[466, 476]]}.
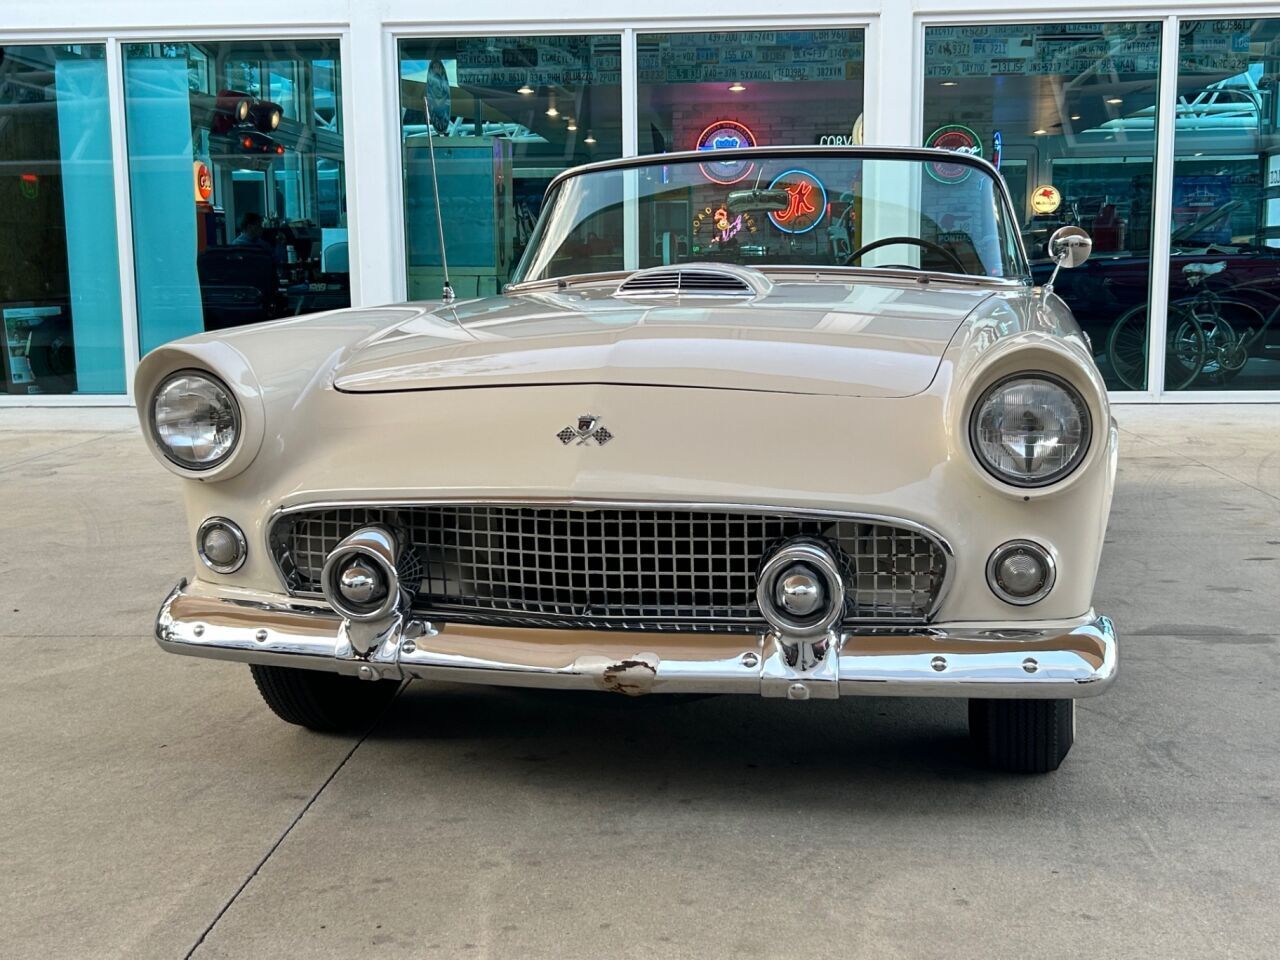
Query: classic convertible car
{"points": [[708, 441]]}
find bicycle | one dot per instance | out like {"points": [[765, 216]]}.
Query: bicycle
{"points": [[1209, 336]]}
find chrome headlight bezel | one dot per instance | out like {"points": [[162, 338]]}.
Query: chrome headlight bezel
{"points": [[1083, 410], [233, 404]]}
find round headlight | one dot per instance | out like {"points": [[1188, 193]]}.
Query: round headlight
{"points": [[195, 420], [1030, 430]]}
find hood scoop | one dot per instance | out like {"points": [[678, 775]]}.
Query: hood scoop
{"points": [[695, 280]]}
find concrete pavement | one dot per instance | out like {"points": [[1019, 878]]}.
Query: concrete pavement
{"points": [[150, 806]]}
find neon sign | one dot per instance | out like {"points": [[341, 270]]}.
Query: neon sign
{"points": [[726, 227], [808, 201], [961, 139], [726, 135]]}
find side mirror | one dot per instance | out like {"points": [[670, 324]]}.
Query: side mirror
{"points": [[1069, 247]]}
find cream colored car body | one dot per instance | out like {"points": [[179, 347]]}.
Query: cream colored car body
{"points": [[848, 392]]}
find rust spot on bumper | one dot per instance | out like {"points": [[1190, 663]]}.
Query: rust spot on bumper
{"points": [[631, 677]]}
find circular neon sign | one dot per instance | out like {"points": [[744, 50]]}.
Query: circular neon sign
{"points": [[961, 139], [808, 203], [726, 135]]}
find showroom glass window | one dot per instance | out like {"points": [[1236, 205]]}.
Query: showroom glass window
{"points": [[506, 115], [704, 91], [1224, 257], [60, 316], [236, 177], [1067, 113]]}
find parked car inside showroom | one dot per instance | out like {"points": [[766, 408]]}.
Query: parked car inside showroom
{"points": [[771, 451]]}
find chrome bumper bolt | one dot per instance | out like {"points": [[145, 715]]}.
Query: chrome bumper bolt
{"points": [[938, 663], [1030, 665], [750, 659]]}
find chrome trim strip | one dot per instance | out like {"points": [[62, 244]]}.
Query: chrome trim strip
{"points": [[795, 273], [780, 150], [283, 511], [1077, 659]]}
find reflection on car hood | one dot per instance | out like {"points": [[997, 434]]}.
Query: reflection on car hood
{"points": [[871, 339]]}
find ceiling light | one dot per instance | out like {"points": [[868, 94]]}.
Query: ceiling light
{"points": [[524, 89], [1075, 116], [589, 138], [572, 124], [1114, 100], [552, 111], [736, 87], [1039, 133], [949, 83]]}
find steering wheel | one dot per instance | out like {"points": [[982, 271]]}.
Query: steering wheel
{"points": [[917, 241]]}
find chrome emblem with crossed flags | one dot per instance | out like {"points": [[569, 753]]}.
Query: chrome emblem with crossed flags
{"points": [[589, 428]]}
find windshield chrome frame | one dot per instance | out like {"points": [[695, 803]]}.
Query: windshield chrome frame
{"points": [[923, 154]]}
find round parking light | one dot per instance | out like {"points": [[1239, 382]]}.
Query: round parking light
{"points": [[1021, 572], [221, 545]]}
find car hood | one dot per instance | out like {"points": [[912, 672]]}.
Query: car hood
{"points": [[872, 339]]}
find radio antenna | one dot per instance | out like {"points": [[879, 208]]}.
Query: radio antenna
{"points": [[439, 112]]}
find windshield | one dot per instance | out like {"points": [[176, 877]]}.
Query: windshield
{"points": [[801, 208]]}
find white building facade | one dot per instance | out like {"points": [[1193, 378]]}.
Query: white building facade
{"points": [[168, 168]]}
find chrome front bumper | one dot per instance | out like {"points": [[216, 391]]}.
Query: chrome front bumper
{"points": [[1075, 659]]}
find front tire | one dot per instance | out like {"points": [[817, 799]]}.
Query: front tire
{"points": [[326, 702], [1022, 736]]}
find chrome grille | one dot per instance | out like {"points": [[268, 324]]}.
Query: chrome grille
{"points": [[618, 567]]}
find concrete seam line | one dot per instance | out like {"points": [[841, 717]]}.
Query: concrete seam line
{"points": [[1200, 463], [293, 823], [5, 468]]}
